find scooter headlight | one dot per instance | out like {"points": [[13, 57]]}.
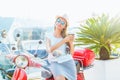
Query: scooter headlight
{"points": [[21, 61]]}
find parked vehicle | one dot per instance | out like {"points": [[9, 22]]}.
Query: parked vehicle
{"points": [[35, 48], [86, 55], [26, 60], [22, 63]]}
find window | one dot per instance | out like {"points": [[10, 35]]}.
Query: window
{"points": [[30, 33]]}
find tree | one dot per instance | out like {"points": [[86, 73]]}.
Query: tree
{"points": [[100, 34]]}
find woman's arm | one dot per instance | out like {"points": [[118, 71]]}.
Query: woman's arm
{"points": [[71, 47], [68, 38], [57, 45], [71, 44]]}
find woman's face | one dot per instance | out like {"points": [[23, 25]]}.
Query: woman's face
{"points": [[60, 23]]}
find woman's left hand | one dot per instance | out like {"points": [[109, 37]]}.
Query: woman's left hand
{"points": [[71, 37]]}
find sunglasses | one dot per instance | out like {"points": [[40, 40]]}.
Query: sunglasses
{"points": [[60, 21]]}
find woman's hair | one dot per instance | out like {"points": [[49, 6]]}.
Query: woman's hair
{"points": [[64, 31]]}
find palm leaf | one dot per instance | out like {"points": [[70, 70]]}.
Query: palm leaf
{"points": [[99, 31]]}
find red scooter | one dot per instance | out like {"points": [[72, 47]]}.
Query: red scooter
{"points": [[23, 61]]}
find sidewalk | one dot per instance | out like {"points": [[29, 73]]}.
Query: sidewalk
{"points": [[104, 70]]}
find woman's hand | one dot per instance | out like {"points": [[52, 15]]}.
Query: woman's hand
{"points": [[69, 38]]}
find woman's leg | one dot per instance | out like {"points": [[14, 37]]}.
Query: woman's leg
{"points": [[60, 77]]}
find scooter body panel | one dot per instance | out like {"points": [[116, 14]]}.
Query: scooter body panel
{"points": [[19, 74]]}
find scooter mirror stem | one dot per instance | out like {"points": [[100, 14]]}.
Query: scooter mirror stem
{"points": [[40, 42], [18, 39]]}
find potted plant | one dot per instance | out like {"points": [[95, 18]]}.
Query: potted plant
{"points": [[100, 34]]}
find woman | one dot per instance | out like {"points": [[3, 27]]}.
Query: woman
{"points": [[60, 51]]}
